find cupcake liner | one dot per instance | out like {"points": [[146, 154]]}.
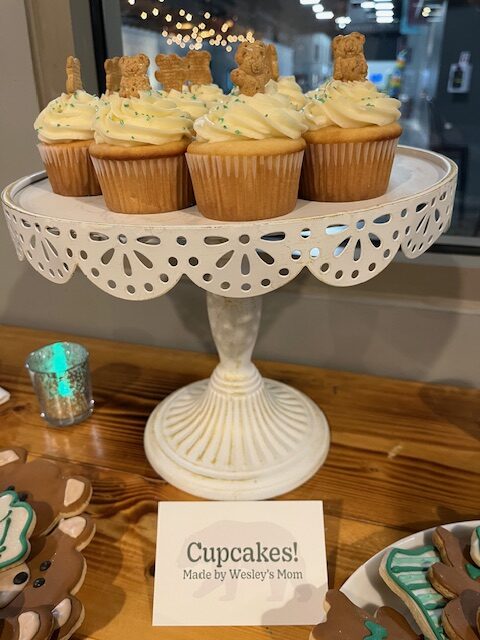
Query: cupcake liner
{"points": [[240, 188], [70, 169], [145, 185], [347, 171]]}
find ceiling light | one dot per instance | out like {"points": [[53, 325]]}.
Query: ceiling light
{"points": [[368, 4], [318, 8], [343, 20], [383, 5], [384, 14], [324, 15], [307, 2], [426, 11], [384, 19], [143, 15]]}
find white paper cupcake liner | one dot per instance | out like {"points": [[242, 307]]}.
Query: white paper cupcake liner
{"points": [[69, 169], [150, 185], [347, 171], [245, 187]]}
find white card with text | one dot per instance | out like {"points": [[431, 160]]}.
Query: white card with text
{"points": [[240, 563]]}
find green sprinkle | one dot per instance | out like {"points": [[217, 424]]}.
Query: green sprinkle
{"points": [[126, 104], [122, 123], [58, 124], [225, 106], [225, 126], [369, 104], [238, 132], [132, 137]]}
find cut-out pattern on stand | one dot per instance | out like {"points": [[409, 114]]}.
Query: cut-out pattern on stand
{"points": [[138, 262]]}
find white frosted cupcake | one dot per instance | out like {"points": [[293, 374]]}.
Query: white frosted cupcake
{"points": [[287, 86], [139, 153], [65, 132], [246, 161], [351, 140]]}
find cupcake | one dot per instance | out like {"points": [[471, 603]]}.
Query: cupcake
{"points": [[139, 148], [352, 132], [188, 102], [65, 132], [287, 86], [246, 161]]}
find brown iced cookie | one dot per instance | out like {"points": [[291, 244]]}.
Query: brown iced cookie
{"points": [[42, 484], [255, 67], [74, 78], [31, 625], [171, 72], [459, 617], [134, 76], [48, 581], [455, 574], [349, 62], [198, 67], [113, 75], [346, 621]]}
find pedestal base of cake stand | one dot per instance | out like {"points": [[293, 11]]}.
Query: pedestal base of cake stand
{"points": [[236, 436]]}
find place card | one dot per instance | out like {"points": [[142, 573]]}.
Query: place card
{"points": [[240, 563]]}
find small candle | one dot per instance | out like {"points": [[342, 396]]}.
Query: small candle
{"points": [[60, 376]]}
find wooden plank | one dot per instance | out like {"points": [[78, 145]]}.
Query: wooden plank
{"points": [[404, 456]]}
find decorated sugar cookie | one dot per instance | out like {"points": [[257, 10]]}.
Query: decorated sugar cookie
{"points": [[45, 585], [404, 571], [346, 621], [17, 522], [460, 616], [475, 546], [40, 482], [455, 573]]}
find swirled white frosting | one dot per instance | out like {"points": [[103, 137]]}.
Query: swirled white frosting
{"points": [[149, 119], [68, 117], [211, 94], [255, 117], [188, 102], [287, 86], [349, 105]]}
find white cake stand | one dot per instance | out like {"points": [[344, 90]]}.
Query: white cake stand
{"points": [[237, 435]]}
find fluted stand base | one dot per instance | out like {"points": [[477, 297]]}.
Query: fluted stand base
{"points": [[236, 436]]}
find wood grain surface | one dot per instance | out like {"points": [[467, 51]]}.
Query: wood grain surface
{"points": [[404, 456]]}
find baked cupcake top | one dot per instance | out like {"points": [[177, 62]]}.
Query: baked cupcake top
{"points": [[256, 117], [349, 104], [189, 102], [148, 119], [287, 86], [69, 117], [211, 94]]}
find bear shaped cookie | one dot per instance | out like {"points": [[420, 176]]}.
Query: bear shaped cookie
{"points": [[455, 573], [349, 62], [41, 483], [346, 621], [257, 64], [134, 76], [47, 583]]}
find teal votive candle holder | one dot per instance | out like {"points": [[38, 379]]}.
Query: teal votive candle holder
{"points": [[60, 376]]}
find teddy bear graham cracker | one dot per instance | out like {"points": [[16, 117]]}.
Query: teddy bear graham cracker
{"points": [[349, 63], [134, 76], [257, 64], [113, 75], [174, 71]]}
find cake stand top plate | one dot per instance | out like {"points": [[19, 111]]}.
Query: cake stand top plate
{"points": [[143, 256]]}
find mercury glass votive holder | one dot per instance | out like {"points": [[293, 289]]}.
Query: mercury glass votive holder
{"points": [[60, 376]]}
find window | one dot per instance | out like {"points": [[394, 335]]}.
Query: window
{"points": [[421, 51]]}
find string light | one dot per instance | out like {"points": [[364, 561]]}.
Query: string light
{"points": [[181, 12], [324, 15], [188, 17], [207, 15], [228, 48], [143, 15], [168, 17], [155, 11], [201, 25], [132, 2]]}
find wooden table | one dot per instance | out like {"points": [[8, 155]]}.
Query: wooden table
{"points": [[404, 456]]}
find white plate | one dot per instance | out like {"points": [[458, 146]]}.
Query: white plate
{"points": [[366, 588]]}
